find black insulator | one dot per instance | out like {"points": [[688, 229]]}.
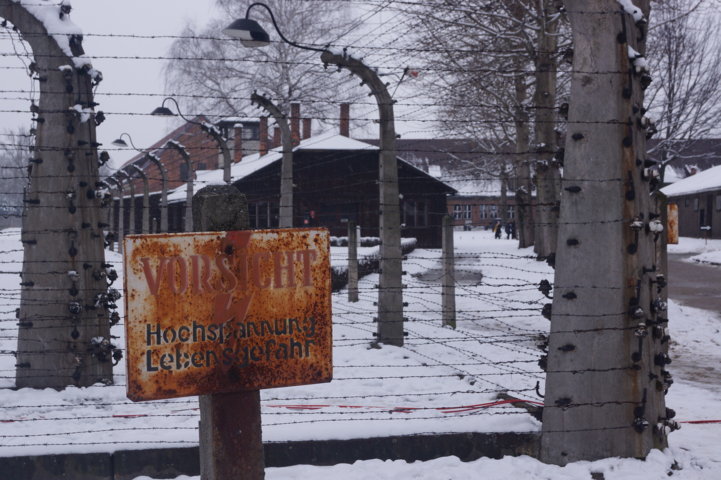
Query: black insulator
{"points": [[627, 141], [572, 242], [661, 360], [646, 80], [577, 136], [567, 348], [640, 424], [551, 260], [570, 296], [545, 287], [547, 311], [573, 189]]}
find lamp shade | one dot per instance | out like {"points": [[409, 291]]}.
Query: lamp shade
{"points": [[249, 32], [119, 142], [163, 111]]}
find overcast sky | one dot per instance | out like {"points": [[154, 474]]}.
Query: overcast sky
{"points": [[155, 18], [134, 17]]}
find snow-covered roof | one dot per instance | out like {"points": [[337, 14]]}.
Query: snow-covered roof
{"points": [[671, 175], [705, 181], [252, 163]]}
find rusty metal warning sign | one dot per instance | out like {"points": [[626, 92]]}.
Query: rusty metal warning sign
{"points": [[227, 311]]}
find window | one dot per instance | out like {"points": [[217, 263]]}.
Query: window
{"points": [[184, 172], [493, 211], [686, 202], [250, 132], [511, 212], [695, 204], [461, 212], [415, 213], [718, 202]]}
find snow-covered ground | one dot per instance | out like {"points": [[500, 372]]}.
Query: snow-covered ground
{"points": [[443, 380], [699, 250]]}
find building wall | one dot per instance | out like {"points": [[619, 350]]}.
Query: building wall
{"points": [[699, 210], [480, 211]]}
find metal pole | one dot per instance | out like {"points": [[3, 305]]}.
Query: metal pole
{"points": [[390, 294]]}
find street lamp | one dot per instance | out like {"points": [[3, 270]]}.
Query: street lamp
{"points": [[164, 111], [390, 295], [119, 142]]}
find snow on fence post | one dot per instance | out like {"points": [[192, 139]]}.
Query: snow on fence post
{"points": [[64, 331]]}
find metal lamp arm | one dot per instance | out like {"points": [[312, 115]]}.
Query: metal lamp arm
{"points": [[275, 24], [180, 114]]}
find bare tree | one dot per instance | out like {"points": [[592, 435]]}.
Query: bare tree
{"points": [[497, 75], [684, 55], [225, 74], [14, 156]]}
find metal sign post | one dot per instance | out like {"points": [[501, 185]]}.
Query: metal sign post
{"points": [[218, 312]]}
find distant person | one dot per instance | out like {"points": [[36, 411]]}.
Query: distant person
{"points": [[509, 230], [497, 229]]}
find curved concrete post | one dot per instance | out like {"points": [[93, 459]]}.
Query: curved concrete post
{"points": [[188, 225], [57, 343], [120, 227], [285, 219], [145, 226], [390, 293], [131, 219], [163, 192]]}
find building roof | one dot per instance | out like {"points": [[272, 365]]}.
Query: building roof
{"points": [[705, 181], [252, 163]]}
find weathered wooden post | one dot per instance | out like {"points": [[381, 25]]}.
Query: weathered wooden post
{"points": [[352, 262], [448, 287]]}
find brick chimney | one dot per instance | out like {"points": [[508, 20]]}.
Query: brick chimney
{"points": [[345, 119], [237, 143], [263, 136], [306, 128], [276, 137], [295, 123]]}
